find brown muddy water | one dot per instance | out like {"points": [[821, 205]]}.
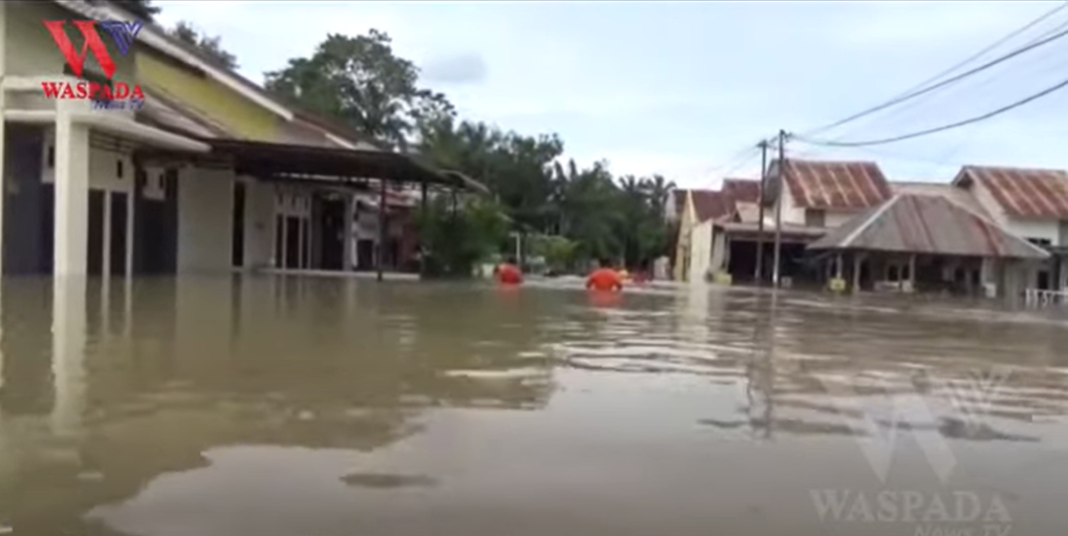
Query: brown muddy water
{"points": [[329, 407]]}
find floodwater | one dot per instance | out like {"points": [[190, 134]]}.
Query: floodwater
{"points": [[326, 407]]}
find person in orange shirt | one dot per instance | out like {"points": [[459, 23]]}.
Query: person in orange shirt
{"points": [[604, 279], [508, 273]]}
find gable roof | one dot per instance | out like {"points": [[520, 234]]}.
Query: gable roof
{"points": [[838, 185], [742, 190], [916, 223], [711, 205], [1020, 192]]}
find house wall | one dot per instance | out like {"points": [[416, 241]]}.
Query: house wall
{"points": [[719, 251], [791, 213], [700, 252], [679, 271], [209, 98], [205, 201], [836, 218], [259, 222]]}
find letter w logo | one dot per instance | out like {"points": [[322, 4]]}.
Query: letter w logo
{"points": [[92, 43]]}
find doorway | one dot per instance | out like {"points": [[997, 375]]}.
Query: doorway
{"points": [[332, 235]]}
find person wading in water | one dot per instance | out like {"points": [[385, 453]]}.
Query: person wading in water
{"points": [[508, 273], [604, 278]]}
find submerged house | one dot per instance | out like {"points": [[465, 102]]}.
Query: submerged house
{"points": [[1030, 203], [991, 231], [207, 173], [926, 242]]}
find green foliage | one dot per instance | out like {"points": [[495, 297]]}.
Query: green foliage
{"points": [[142, 9], [558, 251], [361, 82], [455, 241], [208, 46]]}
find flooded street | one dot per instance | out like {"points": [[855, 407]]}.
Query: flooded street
{"points": [[329, 407]]}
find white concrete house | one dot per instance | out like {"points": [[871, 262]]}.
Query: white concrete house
{"points": [[1029, 203]]}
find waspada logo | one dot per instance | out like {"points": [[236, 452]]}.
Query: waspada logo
{"points": [[105, 94]]}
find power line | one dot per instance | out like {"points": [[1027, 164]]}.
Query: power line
{"points": [[917, 92], [976, 119]]}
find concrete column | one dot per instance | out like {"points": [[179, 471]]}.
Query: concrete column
{"points": [[130, 207], [68, 353], [857, 259], [912, 273], [3, 134], [838, 267], [72, 194], [106, 243]]}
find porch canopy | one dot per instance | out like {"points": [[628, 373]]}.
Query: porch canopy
{"points": [[928, 225], [282, 161]]}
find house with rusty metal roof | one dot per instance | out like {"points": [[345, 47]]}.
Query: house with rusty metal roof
{"points": [[1031, 203], [927, 241]]}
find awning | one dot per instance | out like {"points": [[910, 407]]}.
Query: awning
{"points": [[268, 159]]}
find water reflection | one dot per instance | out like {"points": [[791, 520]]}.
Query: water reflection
{"points": [[285, 405]]}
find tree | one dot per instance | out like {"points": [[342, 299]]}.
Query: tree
{"points": [[208, 46], [141, 9], [457, 237], [360, 81]]}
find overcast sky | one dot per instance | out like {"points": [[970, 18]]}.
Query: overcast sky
{"points": [[682, 88]]}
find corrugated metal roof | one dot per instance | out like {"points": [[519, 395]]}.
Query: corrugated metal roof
{"points": [[836, 185], [956, 194], [742, 190], [1023, 193], [711, 205], [913, 223]]}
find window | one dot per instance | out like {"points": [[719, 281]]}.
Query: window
{"points": [[1040, 241], [51, 156], [891, 273], [815, 218], [118, 168]]}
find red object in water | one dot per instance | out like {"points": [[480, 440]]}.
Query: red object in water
{"points": [[509, 274], [604, 279]]}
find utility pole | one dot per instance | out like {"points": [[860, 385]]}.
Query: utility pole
{"points": [[761, 200], [781, 182]]}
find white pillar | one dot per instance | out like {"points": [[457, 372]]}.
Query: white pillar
{"points": [[106, 242], [68, 353], [3, 134], [72, 194]]}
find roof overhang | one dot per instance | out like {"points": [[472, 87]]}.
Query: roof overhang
{"points": [[271, 159]]}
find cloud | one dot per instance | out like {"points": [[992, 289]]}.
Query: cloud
{"points": [[464, 68]]}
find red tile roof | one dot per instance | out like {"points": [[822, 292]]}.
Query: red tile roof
{"points": [[836, 185], [742, 190], [1022, 193], [710, 205]]}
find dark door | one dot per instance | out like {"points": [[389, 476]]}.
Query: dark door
{"points": [[156, 227], [293, 253], [119, 217], [238, 228], [23, 242], [331, 237], [95, 246], [366, 251]]}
